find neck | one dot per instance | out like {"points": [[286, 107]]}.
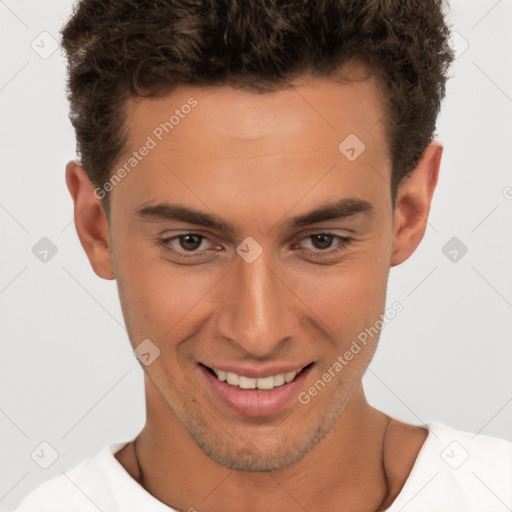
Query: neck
{"points": [[344, 471]]}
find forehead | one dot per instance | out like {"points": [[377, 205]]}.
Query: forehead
{"points": [[219, 142], [350, 104]]}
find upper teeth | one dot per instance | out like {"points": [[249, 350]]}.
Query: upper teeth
{"points": [[270, 382]]}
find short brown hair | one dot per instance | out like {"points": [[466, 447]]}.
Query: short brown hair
{"points": [[120, 48]]}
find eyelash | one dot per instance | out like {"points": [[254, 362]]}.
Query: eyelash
{"points": [[319, 253]]}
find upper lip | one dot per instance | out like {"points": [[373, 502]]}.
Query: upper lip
{"points": [[260, 372]]}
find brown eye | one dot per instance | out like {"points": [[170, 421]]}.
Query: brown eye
{"points": [[190, 242], [321, 246], [322, 241], [189, 247]]}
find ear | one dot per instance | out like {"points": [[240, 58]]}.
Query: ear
{"points": [[413, 202], [90, 220]]}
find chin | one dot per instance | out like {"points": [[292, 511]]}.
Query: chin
{"points": [[246, 455], [249, 458]]}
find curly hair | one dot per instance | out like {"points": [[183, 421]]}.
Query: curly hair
{"points": [[122, 48]]}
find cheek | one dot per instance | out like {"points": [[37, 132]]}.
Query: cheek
{"points": [[157, 296], [348, 297]]}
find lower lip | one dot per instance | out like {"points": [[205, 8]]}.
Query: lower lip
{"points": [[254, 402]]}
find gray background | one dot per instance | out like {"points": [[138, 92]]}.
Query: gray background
{"points": [[68, 376]]}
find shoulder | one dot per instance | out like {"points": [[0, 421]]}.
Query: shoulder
{"points": [[78, 488], [478, 451], [458, 471]]}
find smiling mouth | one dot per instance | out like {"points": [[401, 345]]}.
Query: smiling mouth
{"points": [[260, 384]]}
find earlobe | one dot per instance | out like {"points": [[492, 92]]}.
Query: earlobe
{"points": [[413, 203], [90, 220]]}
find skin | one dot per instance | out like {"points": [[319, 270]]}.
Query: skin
{"points": [[255, 161]]}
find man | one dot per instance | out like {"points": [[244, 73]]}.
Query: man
{"points": [[250, 171]]}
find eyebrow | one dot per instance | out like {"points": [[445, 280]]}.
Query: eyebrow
{"points": [[341, 209]]}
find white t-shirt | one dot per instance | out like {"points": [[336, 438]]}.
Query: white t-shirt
{"points": [[454, 471]]}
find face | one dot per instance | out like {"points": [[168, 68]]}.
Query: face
{"points": [[228, 260]]}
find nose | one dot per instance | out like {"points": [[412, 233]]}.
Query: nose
{"points": [[257, 306]]}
